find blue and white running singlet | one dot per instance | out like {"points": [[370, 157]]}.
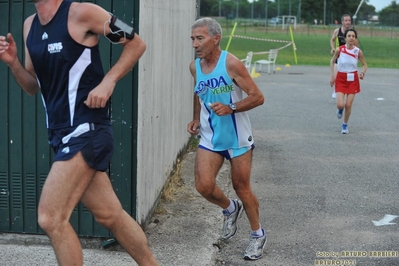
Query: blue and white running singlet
{"points": [[220, 133], [66, 72]]}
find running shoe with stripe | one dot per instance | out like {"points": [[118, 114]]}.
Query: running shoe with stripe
{"points": [[339, 113], [344, 129], [230, 221], [255, 248]]}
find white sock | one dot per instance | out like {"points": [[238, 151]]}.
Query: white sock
{"points": [[258, 232], [232, 207]]}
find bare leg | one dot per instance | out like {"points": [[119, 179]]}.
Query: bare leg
{"points": [[241, 173], [335, 75], [207, 166], [102, 201], [64, 186], [340, 100], [348, 107]]}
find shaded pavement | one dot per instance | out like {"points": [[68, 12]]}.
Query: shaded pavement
{"points": [[323, 195]]}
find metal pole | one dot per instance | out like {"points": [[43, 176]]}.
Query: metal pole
{"points": [[278, 8], [355, 15], [252, 11], [237, 10], [299, 11], [299, 16], [198, 8]]}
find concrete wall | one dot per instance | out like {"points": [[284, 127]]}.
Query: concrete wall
{"points": [[165, 94]]}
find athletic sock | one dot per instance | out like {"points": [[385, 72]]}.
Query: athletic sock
{"points": [[232, 207], [258, 232]]}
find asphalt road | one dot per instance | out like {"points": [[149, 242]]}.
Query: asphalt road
{"points": [[320, 190], [325, 198]]}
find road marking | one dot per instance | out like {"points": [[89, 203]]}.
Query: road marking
{"points": [[380, 99], [387, 220]]}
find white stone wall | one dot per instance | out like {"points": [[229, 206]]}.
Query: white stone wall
{"points": [[165, 94]]}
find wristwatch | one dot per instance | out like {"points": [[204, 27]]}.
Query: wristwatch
{"points": [[233, 107]]}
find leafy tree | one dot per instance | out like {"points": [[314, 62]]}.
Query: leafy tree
{"points": [[305, 10], [390, 15]]}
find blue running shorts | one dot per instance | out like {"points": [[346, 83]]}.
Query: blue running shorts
{"points": [[94, 141], [230, 153]]}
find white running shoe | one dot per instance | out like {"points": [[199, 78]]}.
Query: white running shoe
{"points": [[344, 129], [339, 113], [255, 248], [230, 221]]}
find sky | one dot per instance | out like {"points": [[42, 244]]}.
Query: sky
{"points": [[379, 4]]}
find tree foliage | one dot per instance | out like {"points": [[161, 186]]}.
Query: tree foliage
{"points": [[305, 10], [390, 15]]}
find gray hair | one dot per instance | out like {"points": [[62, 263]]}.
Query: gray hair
{"points": [[212, 25]]}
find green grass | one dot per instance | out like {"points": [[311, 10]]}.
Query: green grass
{"points": [[380, 47]]}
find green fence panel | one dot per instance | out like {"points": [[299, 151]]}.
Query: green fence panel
{"points": [[32, 120], [25, 157], [4, 88], [123, 122], [16, 128]]}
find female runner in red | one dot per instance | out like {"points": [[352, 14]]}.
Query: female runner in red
{"points": [[347, 79]]}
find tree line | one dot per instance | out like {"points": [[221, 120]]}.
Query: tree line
{"points": [[306, 11]]}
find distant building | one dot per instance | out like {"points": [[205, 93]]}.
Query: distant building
{"points": [[373, 19]]}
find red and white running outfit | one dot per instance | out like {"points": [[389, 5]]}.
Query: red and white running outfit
{"points": [[347, 80]]}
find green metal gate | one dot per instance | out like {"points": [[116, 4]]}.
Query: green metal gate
{"points": [[25, 156]]}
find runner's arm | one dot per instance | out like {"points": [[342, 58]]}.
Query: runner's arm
{"points": [[239, 74], [24, 75], [332, 67], [333, 41], [94, 19], [363, 61]]}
